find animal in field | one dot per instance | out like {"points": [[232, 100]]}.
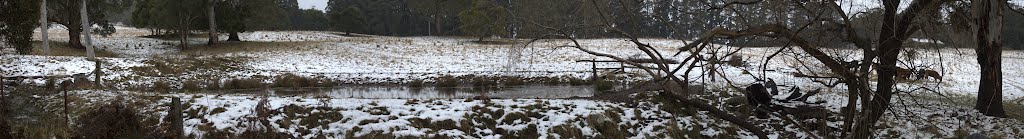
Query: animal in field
{"points": [[903, 74], [922, 73]]}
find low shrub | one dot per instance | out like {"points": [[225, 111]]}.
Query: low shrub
{"points": [[578, 81], [416, 83], [161, 86], [604, 85], [113, 120], [446, 81], [192, 86], [552, 81], [736, 61], [244, 84], [481, 82], [513, 81], [295, 81]]}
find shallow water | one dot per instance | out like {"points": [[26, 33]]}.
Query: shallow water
{"points": [[404, 92]]}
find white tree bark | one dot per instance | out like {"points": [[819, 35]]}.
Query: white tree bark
{"points": [[44, 28], [87, 31], [213, 23]]}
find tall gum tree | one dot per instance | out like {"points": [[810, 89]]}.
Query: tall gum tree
{"points": [[988, 19]]}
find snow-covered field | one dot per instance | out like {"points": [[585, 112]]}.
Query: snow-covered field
{"points": [[380, 59]]}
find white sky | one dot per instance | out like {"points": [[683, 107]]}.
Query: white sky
{"points": [[853, 6], [318, 4], [849, 5]]}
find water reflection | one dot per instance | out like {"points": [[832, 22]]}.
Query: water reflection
{"points": [[403, 92]]}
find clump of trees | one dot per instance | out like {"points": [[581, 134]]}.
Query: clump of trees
{"points": [[349, 20], [181, 17], [16, 26], [483, 20], [68, 14]]}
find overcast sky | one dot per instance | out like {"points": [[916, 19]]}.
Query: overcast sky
{"points": [[318, 4], [850, 5]]}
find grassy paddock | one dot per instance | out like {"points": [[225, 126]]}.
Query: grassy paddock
{"points": [[233, 47], [64, 49], [1013, 110]]}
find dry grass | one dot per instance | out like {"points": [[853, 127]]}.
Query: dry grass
{"points": [[234, 47], [244, 84], [64, 49], [114, 120], [164, 67], [446, 81], [295, 81]]}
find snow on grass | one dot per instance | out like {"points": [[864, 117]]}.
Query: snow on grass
{"points": [[287, 36], [395, 59], [401, 117]]}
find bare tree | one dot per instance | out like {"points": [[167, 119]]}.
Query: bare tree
{"points": [[874, 94]]}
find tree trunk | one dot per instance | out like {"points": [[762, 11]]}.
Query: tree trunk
{"points": [[233, 36], [87, 31], [182, 30], [44, 28], [213, 24], [888, 55], [182, 37], [988, 18], [75, 36]]}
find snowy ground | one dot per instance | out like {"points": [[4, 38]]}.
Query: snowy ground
{"points": [[377, 59]]}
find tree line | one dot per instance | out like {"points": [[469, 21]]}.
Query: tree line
{"points": [[480, 18]]}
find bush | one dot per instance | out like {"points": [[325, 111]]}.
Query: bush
{"points": [[604, 85], [416, 83], [481, 82], [161, 86], [577, 81], [513, 81], [446, 81], [552, 81], [192, 86], [17, 29], [295, 81], [567, 131], [113, 120], [244, 84], [736, 61]]}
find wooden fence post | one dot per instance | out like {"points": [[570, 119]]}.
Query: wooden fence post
{"points": [[175, 116], [98, 74], [2, 95], [593, 70], [67, 117]]}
